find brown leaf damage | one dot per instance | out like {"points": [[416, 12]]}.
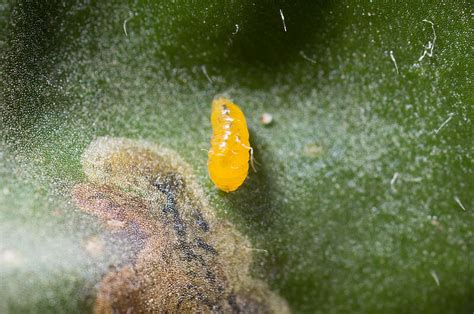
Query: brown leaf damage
{"points": [[184, 258]]}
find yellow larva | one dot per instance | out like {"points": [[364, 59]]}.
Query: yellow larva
{"points": [[228, 162]]}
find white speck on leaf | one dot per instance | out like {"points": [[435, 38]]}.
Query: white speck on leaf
{"points": [[236, 29], [10, 258], [266, 118]]}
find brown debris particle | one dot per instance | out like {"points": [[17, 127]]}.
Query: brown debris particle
{"points": [[185, 259], [437, 224]]}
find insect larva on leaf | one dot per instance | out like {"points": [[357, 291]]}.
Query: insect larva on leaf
{"points": [[228, 162]]}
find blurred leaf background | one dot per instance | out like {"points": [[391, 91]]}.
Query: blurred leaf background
{"points": [[363, 197]]}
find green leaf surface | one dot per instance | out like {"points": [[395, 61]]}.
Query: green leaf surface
{"points": [[363, 196]]}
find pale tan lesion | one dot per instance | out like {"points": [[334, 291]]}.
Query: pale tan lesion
{"points": [[184, 258]]}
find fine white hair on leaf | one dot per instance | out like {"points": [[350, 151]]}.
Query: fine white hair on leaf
{"points": [[428, 49], [203, 68], [394, 61], [450, 116], [125, 23], [435, 277], [236, 29], [255, 249], [459, 203], [415, 179], [283, 19], [306, 57], [394, 179], [47, 80]]}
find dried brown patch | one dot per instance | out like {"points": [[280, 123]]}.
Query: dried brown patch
{"points": [[184, 258], [313, 150], [94, 246]]}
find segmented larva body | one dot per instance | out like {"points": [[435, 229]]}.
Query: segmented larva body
{"points": [[228, 162]]}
